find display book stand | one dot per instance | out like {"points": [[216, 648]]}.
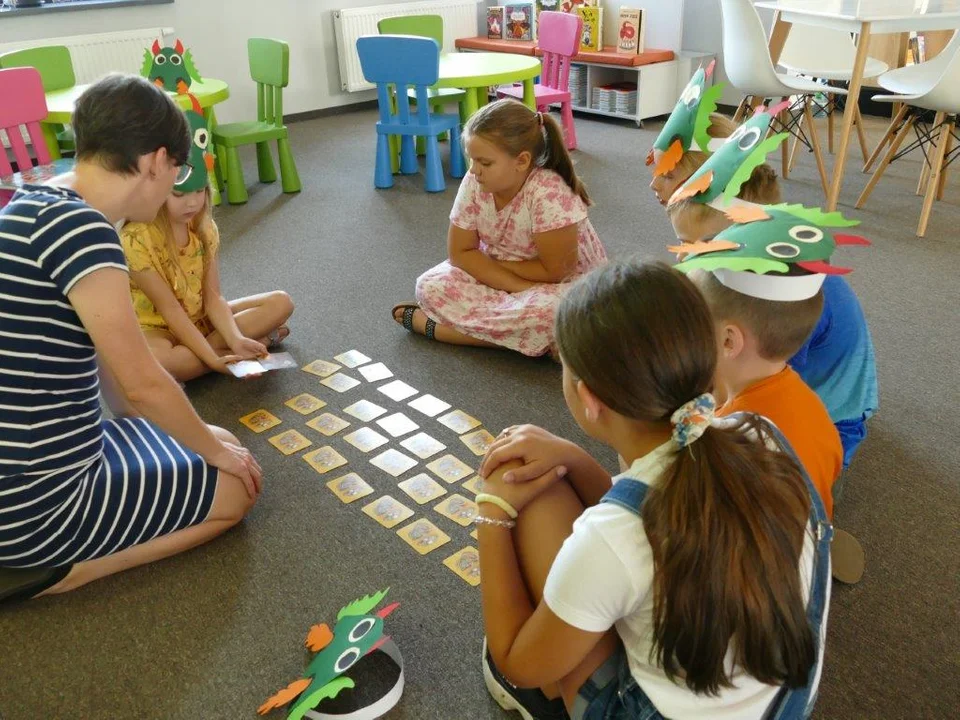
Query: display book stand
{"points": [[660, 75]]}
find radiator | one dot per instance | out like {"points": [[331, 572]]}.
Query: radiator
{"points": [[96, 55], [459, 20]]}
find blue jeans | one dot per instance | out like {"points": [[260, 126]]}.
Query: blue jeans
{"points": [[611, 693]]}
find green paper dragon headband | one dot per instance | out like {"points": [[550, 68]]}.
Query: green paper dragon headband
{"points": [[200, 161], [686, 128], [718, 181], [170, 68], [773, 252]]}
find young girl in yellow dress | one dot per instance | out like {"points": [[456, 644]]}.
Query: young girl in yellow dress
{"points": [[175, 282]]}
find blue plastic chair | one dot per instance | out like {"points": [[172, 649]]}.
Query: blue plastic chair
{"points": [[399, 61]]}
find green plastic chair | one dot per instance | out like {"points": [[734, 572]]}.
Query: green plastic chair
{"points": [[270, 68], [55, 66]]}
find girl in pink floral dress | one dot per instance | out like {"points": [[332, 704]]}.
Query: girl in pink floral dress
{"points": [[519, 234]]}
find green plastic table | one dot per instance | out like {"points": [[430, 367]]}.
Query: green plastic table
{"points": [[60, 104], [475, 72]]}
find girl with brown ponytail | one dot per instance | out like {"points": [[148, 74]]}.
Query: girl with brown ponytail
{"points": [[519, 233], [694, 585]]}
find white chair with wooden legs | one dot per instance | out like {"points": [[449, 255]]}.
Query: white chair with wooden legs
{"points": [[824, 54], [746, 59], [943, 98]]}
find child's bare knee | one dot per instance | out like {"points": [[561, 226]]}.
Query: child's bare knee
{"points": [[283, 303], [233, 502], [224, 435]]}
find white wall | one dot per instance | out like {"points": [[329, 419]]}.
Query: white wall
{"points": [[217, 31]]}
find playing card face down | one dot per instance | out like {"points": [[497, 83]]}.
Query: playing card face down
{"points": [[466, 564], [340, 382], [449, 469], [397, 390], [423, 536], [325, 459], [305, 403], [393, 462], [375, 372], [366, 439], [352, 358], [290, 441], [422, 488], [327, 424], [459, 509], [365, 411], [321, 368], [387, 511], [423, 445], [260, 420], [349, 487], [478, 441], [459, 421], [429, 405], [398, 424]]}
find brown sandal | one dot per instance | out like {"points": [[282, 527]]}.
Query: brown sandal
{"points": [[409, 308]]}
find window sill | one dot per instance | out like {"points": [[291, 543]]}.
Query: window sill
{"points": [[8, 11]]}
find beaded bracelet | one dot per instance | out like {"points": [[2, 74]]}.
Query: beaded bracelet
{"points": [[481, 520], [499, 502]]}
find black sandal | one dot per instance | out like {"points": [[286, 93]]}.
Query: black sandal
{"points": [[24, 583], [429, 330]]}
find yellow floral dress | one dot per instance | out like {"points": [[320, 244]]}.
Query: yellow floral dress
{"points": [[146, 248]]}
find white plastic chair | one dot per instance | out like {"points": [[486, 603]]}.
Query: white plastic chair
{"points": [[746, 60], [829, 55], [942, 96]]}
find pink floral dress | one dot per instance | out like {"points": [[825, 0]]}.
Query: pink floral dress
{"points": [[519, 321]]}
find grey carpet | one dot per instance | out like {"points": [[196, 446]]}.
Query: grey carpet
{"points": [[212, 633]]}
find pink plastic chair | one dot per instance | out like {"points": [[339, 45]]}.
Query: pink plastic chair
{"points": [[24, 104], [559, 40]]}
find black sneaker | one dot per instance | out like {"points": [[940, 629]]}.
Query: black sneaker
{"points": [[532, 704]]}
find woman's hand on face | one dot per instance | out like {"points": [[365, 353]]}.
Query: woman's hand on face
{"points": [[543, 455]]}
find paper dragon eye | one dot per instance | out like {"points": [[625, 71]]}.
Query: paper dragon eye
{"points": [[749, 138], [347, 658], [361, 629], [691, 96], [783, 250], [176, 60], [806, 234], [200, 138], [160, 59]]}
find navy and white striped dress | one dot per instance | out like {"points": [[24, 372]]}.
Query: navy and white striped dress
{"points": [[73, 486]]}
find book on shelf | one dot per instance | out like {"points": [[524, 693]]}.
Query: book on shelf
{"points": [[592, 38], [548, 5], [570, 6], [495, 22], [630, 31], [518, 21]]}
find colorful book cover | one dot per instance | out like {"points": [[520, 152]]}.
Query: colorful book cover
{"points": [[518, 21], [592, 38], [630, 31], [548, 5], [495, 22]]}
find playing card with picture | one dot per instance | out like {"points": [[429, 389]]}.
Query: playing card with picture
{"points": [[246, 368], [478, 441], [397, 390], [398, 424], [327, 424], [459, 509], [278, 361], [352, 358], [375, 372], [393, 462], [289, 442], [422, 488], [423, 536], [364, 410], [459, 421], [450, 468], [474, 485], [305, 403], [423, 446], [260, 420], [366, 439], [340, 382], [429, 405], [325, 459], [321, 368], [466, 564], [387, 511], [349, 487]]}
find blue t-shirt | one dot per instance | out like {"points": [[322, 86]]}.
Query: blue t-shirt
{"points": [[837, 362]]}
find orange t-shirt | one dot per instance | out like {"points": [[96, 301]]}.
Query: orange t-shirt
{"points": [[800, 415]]}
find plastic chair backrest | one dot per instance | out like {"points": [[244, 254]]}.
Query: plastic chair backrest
{"points": [[944, 96], [24, 104], [430, 26], [558, 37], [746, 53], [398, 61], [808, 46], [52, 61], [270, 69]]}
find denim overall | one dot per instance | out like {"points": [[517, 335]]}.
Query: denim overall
{"points": [[613, 694]]}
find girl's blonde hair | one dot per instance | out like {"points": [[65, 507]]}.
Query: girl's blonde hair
{"points": [[515, 128], [202, 224]]}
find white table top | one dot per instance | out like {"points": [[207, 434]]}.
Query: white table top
{"points": [[884, 15]]}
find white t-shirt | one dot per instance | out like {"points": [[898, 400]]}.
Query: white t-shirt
{"points": [[603, 577]]}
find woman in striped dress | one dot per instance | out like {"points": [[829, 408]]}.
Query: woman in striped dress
{"points": [[82, 497]]}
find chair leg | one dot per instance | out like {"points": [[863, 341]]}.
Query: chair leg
{"points": [[382, 170], [457, 168], [784, 150], [831, 109], [887, 159], [236, 185], [435, 181], [408, 156], [793, 148], [888, 135], [815, 142], [289, 177], [741, 108], [569, 130], [219, 163], [265, 169], [437, 107], [943, 172], [941, 153], [861, 134], [928, 159]]}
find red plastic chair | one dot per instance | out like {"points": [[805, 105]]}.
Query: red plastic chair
{"points": [[559, 39], [24, 104]]}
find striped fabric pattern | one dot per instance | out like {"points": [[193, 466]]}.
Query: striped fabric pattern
{"points": [[73, 487]]}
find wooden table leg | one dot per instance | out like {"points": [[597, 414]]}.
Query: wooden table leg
{"points": [[853, 96], [50, 138]]}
